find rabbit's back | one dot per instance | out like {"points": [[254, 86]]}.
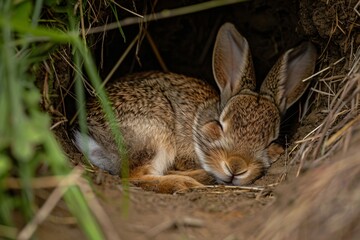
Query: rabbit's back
{"points": [[168, 97]]}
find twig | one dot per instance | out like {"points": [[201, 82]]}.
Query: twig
{"points": [[50, 204], [58, 123], [356, 8], [332, 78], [322, 92], [128, 10], [165, 14], [323, 70], [121, 59], [341, 132], [306, 137], [82, 21], [156, 52], [39, 182], [99, 212], [248, 188], [302, 160]]}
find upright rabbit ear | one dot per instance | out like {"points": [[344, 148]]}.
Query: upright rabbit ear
{"points": [[284, 82], [232, 64]]}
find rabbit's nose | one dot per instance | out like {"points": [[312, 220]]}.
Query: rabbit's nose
{"points": [[234, 180], [234, 173]]}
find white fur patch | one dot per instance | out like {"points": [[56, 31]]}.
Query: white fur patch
{"points": [[90, 148], [225, 169], [162, 160], [202, 158]]}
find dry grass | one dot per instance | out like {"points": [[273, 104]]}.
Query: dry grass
{"points": [[338, 94]]}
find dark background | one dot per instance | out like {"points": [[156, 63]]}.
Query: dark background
{"points": [[186, 42]]}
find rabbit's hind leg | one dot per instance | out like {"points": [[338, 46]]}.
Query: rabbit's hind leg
{"points": [[166, 183], [150, 176]]}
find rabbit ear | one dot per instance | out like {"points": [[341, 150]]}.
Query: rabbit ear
{"points": [[232, 64], [284, 82]]}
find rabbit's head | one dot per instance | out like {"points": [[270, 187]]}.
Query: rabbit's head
{"points": [[234, 136]]}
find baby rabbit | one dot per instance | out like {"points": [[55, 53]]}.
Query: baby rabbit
{"points": [[173, 122]]}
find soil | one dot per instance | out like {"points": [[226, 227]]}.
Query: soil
{"points": [[216, 212], [210, 213]]}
